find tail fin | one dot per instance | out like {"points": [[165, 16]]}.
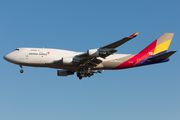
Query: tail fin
{"points": [[163, 43], [159, 46], [156, 52]]}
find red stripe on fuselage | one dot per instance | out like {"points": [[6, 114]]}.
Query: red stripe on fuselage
{"points": [[148, 51]]}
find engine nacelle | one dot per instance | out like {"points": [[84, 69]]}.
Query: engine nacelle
{"points": [[93, 52], [67, 61], [64, 72]]}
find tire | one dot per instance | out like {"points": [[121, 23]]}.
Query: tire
{"points": [[21, 71]]}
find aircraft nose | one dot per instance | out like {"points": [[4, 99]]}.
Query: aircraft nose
{"points": [[8, 57]]}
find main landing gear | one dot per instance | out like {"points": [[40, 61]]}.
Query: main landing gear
{"points": [[86, 72], [21, 71]]}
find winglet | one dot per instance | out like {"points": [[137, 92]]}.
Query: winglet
{"points": [[134, 35]]}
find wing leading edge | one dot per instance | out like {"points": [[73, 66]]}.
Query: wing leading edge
{"points": [[120, 42]]}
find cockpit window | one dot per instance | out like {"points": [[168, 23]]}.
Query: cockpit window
{"points": [[16, 50]]}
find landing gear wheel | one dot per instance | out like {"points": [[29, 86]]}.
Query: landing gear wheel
{"points": [[21, 71], [89, 75], [78, 74], [80, 77]]}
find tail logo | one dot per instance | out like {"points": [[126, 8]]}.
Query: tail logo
{"points": [[150, 53]]}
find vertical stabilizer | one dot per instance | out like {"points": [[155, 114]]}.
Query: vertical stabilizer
{"points": [[156, 52], [156, 48], [163, 43], [159, 46]]}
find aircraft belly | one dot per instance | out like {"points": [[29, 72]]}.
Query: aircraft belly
{"points": [[68, 67]]}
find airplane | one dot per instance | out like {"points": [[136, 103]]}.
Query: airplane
{"points": [[85, 64]]}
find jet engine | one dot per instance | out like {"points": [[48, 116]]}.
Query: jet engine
{"points": [[93, 52], [67, 61], [64, 73]]}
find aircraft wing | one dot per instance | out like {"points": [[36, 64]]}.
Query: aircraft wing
{"points": [[90, 58], [108, 49], [120, 42]]}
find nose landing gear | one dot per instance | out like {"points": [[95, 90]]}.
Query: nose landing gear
{"points": [[21, 71]]}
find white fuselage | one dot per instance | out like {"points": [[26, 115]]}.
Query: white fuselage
{"points": [[43, 57]]}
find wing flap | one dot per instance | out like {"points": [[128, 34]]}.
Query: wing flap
{"points": [[91, 62]]}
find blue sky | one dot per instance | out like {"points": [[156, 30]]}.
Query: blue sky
{"points": [[144, 93]]}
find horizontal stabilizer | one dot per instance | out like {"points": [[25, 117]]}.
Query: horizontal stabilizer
{"points": [[162, 56]]}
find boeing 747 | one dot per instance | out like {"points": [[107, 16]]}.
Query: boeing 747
{"points": [[85, 64]]}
